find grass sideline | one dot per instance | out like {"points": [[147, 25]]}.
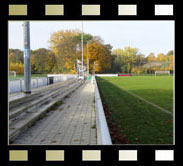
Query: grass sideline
{"points": [[136, 120]]}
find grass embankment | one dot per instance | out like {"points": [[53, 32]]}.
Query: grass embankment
{"points": [[135, 120]]}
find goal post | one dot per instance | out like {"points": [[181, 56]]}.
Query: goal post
{"points": [[12, 73], [162, 72]]}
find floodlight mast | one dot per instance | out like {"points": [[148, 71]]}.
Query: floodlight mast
{"points": [[82, 49], [87, 60], [27, 64], [94, 64]]}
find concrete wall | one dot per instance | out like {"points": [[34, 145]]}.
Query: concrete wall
{"points": [[103, 135], [18, 85], [106, 75]]}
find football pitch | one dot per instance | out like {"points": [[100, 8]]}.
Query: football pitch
{"points": [[140, 108]]}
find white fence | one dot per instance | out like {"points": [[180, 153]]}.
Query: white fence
{"points": [[18, 85], [106, 75], [61, 77]]}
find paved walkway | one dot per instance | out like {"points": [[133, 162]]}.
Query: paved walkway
{"points": [[72, 123]]}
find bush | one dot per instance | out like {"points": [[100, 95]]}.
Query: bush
{"points": [[18, 67]]}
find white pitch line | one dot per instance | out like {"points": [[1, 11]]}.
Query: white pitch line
{"points": [[141, 98]]}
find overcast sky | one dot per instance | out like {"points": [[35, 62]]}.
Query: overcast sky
{"points": [[147, 36]]}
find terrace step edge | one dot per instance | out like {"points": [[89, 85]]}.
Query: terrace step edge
{"points": [[21, 126]]}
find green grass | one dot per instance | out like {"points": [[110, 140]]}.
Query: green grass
{"points": [[54, 106], [22, 76], [94, 126], [135, 119]]}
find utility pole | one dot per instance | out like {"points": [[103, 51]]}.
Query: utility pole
{"points": [[87, 60], [82, 48], [27, 64], [93, 76], [94, 67]]}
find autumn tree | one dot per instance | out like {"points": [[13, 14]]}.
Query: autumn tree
{"points": [[16, 56], [151, 57], [42, 60], [65, 45], [171, 52], [16, 61], [18, 67], [99, 53], [126, 58]]}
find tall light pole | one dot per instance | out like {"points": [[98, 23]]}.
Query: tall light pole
{"points": [[87, 60], [94, 67], [82, 48], [27, 64]]}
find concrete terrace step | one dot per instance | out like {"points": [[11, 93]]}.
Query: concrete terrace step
{"points": [[71, 123], [20, 97], [35, 102], [28, 118]]}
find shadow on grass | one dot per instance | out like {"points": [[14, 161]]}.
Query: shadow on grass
{"points": [[135, 120]]}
